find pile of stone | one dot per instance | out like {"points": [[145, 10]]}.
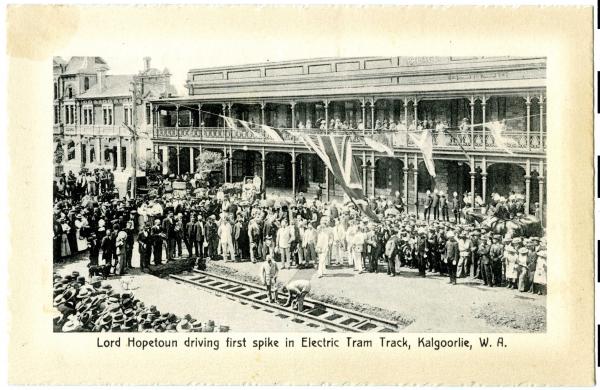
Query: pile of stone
{"points": [[92, 306]]}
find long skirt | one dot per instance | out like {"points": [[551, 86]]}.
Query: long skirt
{"points": [[65, 248], [523, 279]]}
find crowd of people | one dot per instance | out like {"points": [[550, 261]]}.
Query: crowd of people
{"points": [[88, 305], [301, 233]]}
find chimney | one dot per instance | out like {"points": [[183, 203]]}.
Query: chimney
{"points": [[101, 73], [146, 63]]}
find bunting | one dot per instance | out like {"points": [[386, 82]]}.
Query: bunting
{"points": [[497, 128], [229, 121], [381, 143], [425, 143], [273, 133], [246, 126]]}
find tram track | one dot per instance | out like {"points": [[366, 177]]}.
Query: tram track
{"points": [[316, 314]]}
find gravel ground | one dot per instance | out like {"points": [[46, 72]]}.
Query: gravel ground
{"points": [[525, 318]]}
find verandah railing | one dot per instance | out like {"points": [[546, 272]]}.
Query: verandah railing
{"points": [[451, 139]]}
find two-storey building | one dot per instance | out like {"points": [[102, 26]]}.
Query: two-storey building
{"points": [[463, 92], [94, 111]]}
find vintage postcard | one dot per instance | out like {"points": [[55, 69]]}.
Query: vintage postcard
{"points": [[301, 195]]}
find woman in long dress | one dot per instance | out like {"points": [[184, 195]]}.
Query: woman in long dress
{"points": [[511, 266], [80, 225], [65, 248], [539, 285], [523, 269]]}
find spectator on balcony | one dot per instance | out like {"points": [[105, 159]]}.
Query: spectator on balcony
{"points": [[360, 125], [412, 126], [386, 124], [308, 124], [323, 125], [402, 126], [392, 126], [300, 125], [464, 125], [420, 126]]}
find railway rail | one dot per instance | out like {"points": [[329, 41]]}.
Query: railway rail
{"points": [[315, 314]]}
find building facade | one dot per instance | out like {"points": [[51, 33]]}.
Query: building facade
{"points": [[465, 93], [93, 109]]}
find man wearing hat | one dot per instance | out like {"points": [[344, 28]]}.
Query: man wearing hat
{"points": [[427, 208], [483, 251], [444, 206], [464, 251], [532, 261], [421, 251], [496, 253], [145, 246], [455, 205], [268, 275], [451, 256], [523, 274]]}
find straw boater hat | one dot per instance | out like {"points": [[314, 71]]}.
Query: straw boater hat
{"points": [[523, 251]]}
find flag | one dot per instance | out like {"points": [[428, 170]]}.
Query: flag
{"points": [[247, 127], [273, 133], [229, 121], [380, 143], [337, 155], [425, 144], [496, 128]]}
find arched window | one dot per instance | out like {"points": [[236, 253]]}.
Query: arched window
{"points": [[86, 84]]}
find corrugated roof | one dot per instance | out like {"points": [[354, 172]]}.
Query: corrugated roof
{"points": [[119, 85], [114, 85]]}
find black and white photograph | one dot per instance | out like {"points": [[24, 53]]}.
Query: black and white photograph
{"points": [[300, 195], [326, 194]]}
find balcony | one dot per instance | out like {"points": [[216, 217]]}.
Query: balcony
{"points": [[477, 140], [103, 130]]}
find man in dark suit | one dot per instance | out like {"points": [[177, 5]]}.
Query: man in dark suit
{"points": [[428, 203], [421, 252], [168, 227], [451, 255], [444, 207], [483, 250], [455, 206], [157, 237], [190, 236], [435, 205], [145, 246], [199, 240]]}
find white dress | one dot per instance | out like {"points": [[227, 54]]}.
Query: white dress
{"points": [[540, 270]]}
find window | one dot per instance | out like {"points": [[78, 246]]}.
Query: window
{"points": [[86, 83], [107, 113], [55, 91], [127, 117], [148, 114], [70, 114], [56, 114], [70, 92], [88, 115]]}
